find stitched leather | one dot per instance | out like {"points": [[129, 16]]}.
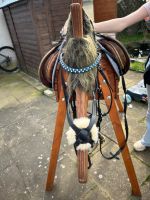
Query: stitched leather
{"points": [[118, 51]]}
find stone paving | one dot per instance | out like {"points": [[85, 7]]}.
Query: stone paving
{"points": [[27, 119]]}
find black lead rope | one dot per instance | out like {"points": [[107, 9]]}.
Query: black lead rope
{"points": [[109, 87], [114, 155], [73, 105]]}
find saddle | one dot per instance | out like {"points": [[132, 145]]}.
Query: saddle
{"points": [[46, 66], [116, 51], [111, 48]]}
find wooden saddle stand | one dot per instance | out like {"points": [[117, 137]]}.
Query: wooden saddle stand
{"points": [[82, 155]]}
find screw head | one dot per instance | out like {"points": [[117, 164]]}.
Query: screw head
{"points": [[104, 81]]}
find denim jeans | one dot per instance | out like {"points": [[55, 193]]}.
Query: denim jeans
{"points": [[146, 137]]}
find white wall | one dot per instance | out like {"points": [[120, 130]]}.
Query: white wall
{"points": [[4, 33]]}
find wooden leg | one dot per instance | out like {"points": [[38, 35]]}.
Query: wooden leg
{"points": [[60, 120], [119, 104], [114, 116]]}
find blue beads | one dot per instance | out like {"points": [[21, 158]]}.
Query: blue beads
{"points": [[78, 70]]}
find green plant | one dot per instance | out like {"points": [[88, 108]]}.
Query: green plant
{"points": [[137, 66], [125, 39]]}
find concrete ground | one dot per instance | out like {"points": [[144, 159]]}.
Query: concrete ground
{"points": [[27, 119]]}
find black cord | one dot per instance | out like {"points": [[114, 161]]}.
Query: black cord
{"points": [[114, 155], [109, 87]]}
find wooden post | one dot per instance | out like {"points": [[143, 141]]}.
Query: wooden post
{"points": [[77, 20], [114, 116], [119, 104], [81, 97], [104, 10], [60, 120], [116, 95]]}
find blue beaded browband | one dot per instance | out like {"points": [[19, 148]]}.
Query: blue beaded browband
{"points": [[78, 70]]}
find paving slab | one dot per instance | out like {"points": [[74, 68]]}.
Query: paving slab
{"points": [[66, 185], [12, 185]]}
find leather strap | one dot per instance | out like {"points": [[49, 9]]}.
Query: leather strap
{"points": [[70, 121]]}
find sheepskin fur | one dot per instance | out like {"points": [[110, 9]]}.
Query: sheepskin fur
{"points": [[81, 52], [82, 123]]}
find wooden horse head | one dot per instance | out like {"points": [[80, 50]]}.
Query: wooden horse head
{"points": [[80, 59]]}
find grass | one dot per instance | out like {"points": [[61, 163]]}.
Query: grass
{"points": [[137, 66], [126, 39]]}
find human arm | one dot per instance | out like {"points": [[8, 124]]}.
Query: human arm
{"points": [[119, 24]]}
